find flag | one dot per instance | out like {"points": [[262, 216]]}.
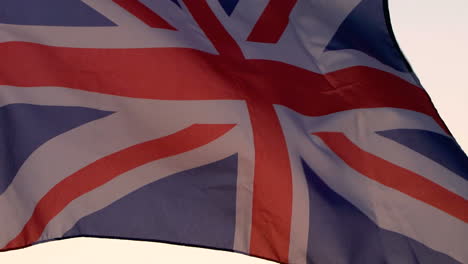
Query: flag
{"points": [[292, 130]]}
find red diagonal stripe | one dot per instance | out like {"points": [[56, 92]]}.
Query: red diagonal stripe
{"points": [[273, 22], [143, 13], [395, 177], [106, 169], [213, 29]]}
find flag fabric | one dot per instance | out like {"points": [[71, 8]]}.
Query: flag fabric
{"points": [[291, 130]]}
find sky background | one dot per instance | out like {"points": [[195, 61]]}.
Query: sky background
{"points": [[433, 35]]}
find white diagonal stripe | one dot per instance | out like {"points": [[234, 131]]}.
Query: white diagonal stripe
{"points": [[388, 208], [360, 126], [233, 142], [134, 123]]}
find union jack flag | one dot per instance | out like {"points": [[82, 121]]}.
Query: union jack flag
{"points": [[291, 130]]}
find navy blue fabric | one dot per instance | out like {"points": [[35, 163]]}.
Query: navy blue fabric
{"points": [[50, 13], [229, 5], [434, 146], [25, 127], [365, 29], [340, 233], [196, 207], [176, 2]]}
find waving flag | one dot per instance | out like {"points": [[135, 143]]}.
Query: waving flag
{"points": [[291, 130]]}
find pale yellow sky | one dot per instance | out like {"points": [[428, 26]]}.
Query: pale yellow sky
{"points": [[433, 35]]}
